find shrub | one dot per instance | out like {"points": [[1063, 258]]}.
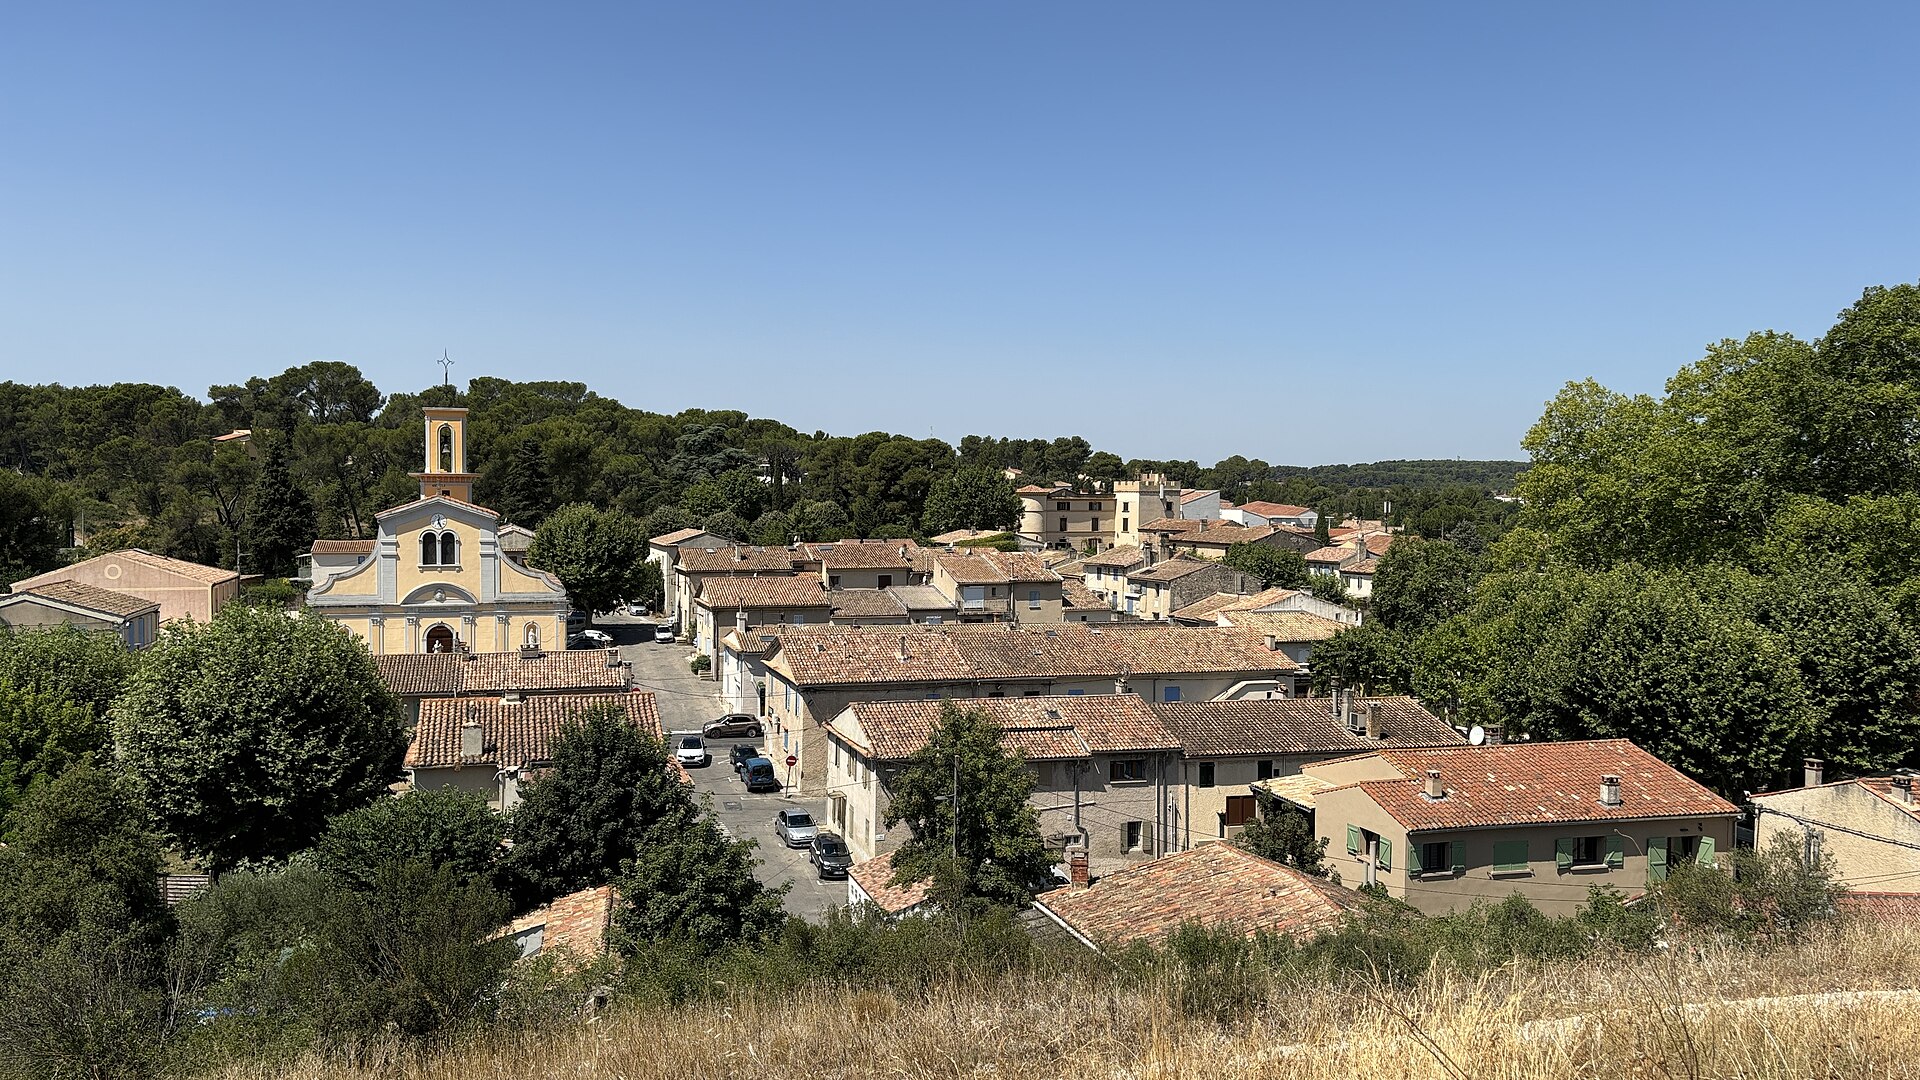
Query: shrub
{"points": [[700, 664]]}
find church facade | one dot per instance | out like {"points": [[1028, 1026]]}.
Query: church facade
{"points": [[434, 579]]}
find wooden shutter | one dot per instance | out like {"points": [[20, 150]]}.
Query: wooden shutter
{"points": [[1705, 856], [1656, 859], [1413, 857], [1616, 852], [1510, 857], [1385, 848], [1456, 857], [1353, 840], [1563, 853], [1241, 809]]}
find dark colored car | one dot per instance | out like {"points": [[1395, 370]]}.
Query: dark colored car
{"points": [[759, 774], [733, 726], [828, 853], [741, 754]]}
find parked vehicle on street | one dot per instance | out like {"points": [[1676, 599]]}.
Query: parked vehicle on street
{"points": [[741, 754], [590, 639], [637, 610], [795, 828], [663, 633], [830, 856], [693, 753], [760, 776], [732, 726]]}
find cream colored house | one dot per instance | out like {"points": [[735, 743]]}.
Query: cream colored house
{"points": [[1061, 516], [1445, 828], [1869, 827], [136, 622], [435, 579], [743, 603], [999, 586], [696, 566], [1137, 502], [1105, 575], [664, 552], [866, 564], [184, 590], [1157, 590]]}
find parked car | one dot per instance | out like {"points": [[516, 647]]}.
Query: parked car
{"points": [[638, 610], [590, 639], [733, 726], [663, 633], [795, 828], [759, 774], [693, 753], [741, 754], [830, 856]]}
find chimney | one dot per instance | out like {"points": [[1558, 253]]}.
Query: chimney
{"points": [[1370, 719], [1902, 790], [740, 622], [471, 745], [1495, 734], [1343, 707], [1435, 790], [903, 647], [1273, 643], [1815, 772], [1610, 790], [903, 553], [1077, 867]]}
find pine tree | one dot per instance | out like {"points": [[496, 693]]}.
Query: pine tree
{"points": [[279, 522]]}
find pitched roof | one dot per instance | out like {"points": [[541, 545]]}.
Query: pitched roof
{"points": [[576, 923], [1123, 556], [1273, 509], [441, 498], [1363, 567], [1224, 533], [676, 536], [865, 603], [1056, 728], [1205, 610], [922, 598], [983, 566], [1278, 726], [877, 655], [1536, 783], [738, 559], [1881, 907], [1042, 489], [1078, 595], [771, 591], [1880, 786], [1170, 525], [1172, 569], [875, 878], [1215, 885], [1332, 553], [79, 594], [209, 575], [957, 535], [1379, 543], [865, 554], [1288, 626], [452, 674], [343, 547], [1194, 496], [513, 734]]}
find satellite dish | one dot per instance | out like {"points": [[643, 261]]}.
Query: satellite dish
{"points": [[1477, 736]]}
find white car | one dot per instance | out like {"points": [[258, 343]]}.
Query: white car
{"points": [[663, 634], [590, 639], [692, 753]]}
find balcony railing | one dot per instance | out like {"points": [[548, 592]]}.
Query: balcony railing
{"points": [[984, 604]]}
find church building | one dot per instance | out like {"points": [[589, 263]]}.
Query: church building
{"points": [[435, 578]]}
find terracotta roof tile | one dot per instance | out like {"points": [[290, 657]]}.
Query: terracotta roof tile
{"points": [[1054, 728], [738, 559], [1536, 783], [1880, 906], [1124, 556], [733, 592], [80, 594], [1170, 525], [1078, 595], [875, 878], [1224, 533], [513, 734], [1215, 885], [865, 603], [958, 535], [343, 547], [1363, 567], [192, 571], [865, 554], [1273, 509], [1288, 626], [1281, 726], [1205, 610], [1171, 569], [1195, 496], [575, 924], [1332, 553], [452, 674], [922, 598], [984, 566], [675, 537]]}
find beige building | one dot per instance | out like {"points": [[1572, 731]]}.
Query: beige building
{"points": [[1061, 516], [435, 579], [664, 552], [1232, 745], [1140, 501], [1445, 828], [1156, 591], [866, 564], [1869, 827], [743, 603], [1105, 574], [495, 746], [136, 622], [696, 566], [1106, 771], [184, 590], [998, 586]]}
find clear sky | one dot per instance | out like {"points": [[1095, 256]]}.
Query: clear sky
{"points": [[1308, 233]]}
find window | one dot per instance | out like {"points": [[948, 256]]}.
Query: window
{"points": [[833, 581], [1033, 599], [1095, 524], [1063, 524], [996, 693], [1240, 810], [1664, 852], [1510, 857], [1063, 506], [1124, 507], [1439, 859], [1031, 693], [1093, 506], [1263, 770], [446, 449], [1169, 693], [1589, 852], [429, 549], [1075, 693], [1135, 836], [886, 580], [1127, 770], [449, 549], [1123, 524], [1206, 774]]}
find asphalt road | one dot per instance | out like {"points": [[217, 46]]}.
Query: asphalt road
{"points": [[687, 701]]}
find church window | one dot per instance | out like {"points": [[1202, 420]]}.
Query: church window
{"points": [[449, 549], [446, 448], [429, 549]]}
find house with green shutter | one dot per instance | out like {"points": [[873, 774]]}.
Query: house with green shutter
{"points": [[1443, 827]]}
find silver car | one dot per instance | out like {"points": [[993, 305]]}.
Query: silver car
{"points": [[795, 828]]}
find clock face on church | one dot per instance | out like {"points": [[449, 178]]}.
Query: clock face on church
{"points": [[439, 521]]}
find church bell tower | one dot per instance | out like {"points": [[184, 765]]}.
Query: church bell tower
{"points": [[446, 444]]}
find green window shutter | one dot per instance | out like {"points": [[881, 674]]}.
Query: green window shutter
{"points": [[1413, 858], [1563, 853], [1656, 859], [1457, 857], [1705, 856], [1386, 853], [1353, 840], [1616, 852], [1509, 856]]}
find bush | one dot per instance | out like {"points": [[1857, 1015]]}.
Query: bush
{"points": [[1775, 893], [700, 664], [441, 827]]}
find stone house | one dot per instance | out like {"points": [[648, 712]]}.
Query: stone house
{"points": [[742, 603], [1156, 591]]}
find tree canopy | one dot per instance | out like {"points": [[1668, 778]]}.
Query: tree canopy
{"points": [[598, 555]]}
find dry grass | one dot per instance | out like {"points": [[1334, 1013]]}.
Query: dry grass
{"points": [[1698, 1013]]}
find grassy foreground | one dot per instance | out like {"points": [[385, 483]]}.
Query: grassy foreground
{"points": [[1842, 1003]]}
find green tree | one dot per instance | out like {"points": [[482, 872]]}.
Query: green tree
{"points": [[42, 737], [972, 831], [596, 554], [694, 885], [66, 663], [437, 827], [1285, 836], [607, 795], [1277, 568], [1421, 583], [1322, 531], [34, 522], [1328, 587], [279, 518], [248, 732], [970, 497], [1368, 657]]}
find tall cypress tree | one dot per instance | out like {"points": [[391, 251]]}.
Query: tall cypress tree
{"points": [[279, 523]]}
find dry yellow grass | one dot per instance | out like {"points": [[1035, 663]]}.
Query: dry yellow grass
{"points": [[1843, 1004]]}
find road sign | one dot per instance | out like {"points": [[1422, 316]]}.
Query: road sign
{"points": [[792, 761]]}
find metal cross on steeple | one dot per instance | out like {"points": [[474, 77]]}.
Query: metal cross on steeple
{"points": [[446, 368]]}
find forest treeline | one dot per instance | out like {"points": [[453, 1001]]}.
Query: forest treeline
{"points": [[135, 464]]}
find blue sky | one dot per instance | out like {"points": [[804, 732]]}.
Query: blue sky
{"points": [[1311, 234]]}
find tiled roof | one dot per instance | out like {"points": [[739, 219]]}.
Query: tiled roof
{"points": [[80, 594], [1536, 783], [208, 575], [865, 603], [1880, 906], [985, 566], [1170, 525], [1379, 543], [857, 656], [875, 878], [1214, 885], [1332, 553], [1172, 569], [1363, 567], [1124, 556], [1288, 626], [1300, 789], [1195, 496], [1280, 726], [1881, 786], [452, 674], [675, 537], [576, 923], [441, 498], [958, 535], [1205, 610], [343, 547], [921, 598], [1273, 509], [731, 593], [1061, 727], [512, 734], [865, 554], [738, 559], [1041, 489], [1224, 533], [1078, 595]]}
